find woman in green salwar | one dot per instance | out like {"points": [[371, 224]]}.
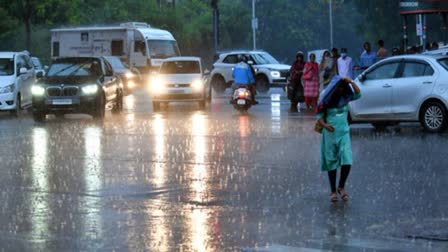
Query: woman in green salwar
{"points": [[336, 149]]}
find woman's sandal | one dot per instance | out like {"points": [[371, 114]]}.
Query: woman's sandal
{"points": [[344, 196], [334, 197]]}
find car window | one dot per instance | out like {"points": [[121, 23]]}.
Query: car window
{"points": [[87, 68], [444, 63], [416, 69], [180, 67], [20, 62], [386, 71], [231, 59], [6, 66], [109, 71]]}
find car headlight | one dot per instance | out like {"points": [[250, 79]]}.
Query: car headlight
{"points": [[7, 89], [90, 89], [275, 74], [129, 75], [37, 90], [157, 85], [197, 84]]}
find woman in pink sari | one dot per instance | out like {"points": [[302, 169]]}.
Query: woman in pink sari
{"points": [[311, 82]]}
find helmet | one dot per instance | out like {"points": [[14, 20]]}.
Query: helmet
{"points": [[299, 53]]}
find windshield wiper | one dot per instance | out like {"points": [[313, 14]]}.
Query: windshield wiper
{"points": [[63, 69], [77, 69]]}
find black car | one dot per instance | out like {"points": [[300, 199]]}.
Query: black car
{"points": [[130, 77], [78, 85]]}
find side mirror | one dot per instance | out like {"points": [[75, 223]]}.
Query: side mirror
{"points": [[206, 72], [250, 62], [23, 70], [40, 74], [362, 77]]}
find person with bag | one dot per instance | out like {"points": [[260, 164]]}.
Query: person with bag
{"points": [[311, 82], [295, 89], [336, 150], [326, 70]]}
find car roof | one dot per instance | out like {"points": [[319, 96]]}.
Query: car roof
{"points": [[76, 58], [417, 56], [183, 58], [240, 51], [9, 54]]}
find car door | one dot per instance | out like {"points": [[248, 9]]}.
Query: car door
{"points": [[416, 82], [227, 66], [110, 81], [30, 80], [23, 80], [376, 89]]}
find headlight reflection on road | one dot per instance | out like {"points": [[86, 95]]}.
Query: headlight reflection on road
{"points": [[275, 114], [93, 179], [39, 174], [159, 149], [244, 132], [129, 102], [198, 217]]}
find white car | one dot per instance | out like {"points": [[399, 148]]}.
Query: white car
{"points": [[16, 79], [404, 89], [180, 79], [268, 71]]}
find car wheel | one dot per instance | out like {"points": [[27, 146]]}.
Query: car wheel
{"points": [[39, 116], [262, 84], [100, 110], [17, 111], [219, 84], [118, 107], [433, 117], [156, 106]]}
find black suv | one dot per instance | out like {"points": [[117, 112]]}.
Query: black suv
{"points": [[77, 85]]}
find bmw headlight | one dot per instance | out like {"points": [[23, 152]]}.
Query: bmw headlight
{"points": [[90, 89], [275, 74], [7, 89], [37, 90], [197, 84]]}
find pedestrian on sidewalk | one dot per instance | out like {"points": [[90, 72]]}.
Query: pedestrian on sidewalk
{"points": [[295, 91], [382, 52], [345, 65], [326, 70], [311, 82], [336, 149]]}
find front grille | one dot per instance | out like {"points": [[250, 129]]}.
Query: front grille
{"points": [[284, 74], [178, 85], [54, 91], [62, 91], [70, 91]]}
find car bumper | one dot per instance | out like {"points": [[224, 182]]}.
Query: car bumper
{"points": [[179, 95], [7, 101], [83, 104]]}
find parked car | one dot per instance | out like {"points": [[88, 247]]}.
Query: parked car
{"points": [[130, 78], [38, 68], [180, 79], [16, 78], [78, 85], [269, 72], [404, 89]]}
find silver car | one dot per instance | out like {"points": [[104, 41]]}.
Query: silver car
{"points": [[404, 89]]}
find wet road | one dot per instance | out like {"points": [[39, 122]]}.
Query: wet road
{"points": [[214, 180]]}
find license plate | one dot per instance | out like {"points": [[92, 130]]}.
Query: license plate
{"points": [[241, 102], [174, 91], [62, 102]]}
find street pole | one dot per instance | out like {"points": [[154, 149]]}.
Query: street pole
{"points": [[254, 26], [331, 24]]}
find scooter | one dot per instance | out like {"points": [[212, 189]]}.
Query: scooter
{"points": [[242, 99]]}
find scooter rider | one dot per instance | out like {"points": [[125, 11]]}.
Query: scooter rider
{"points": [[243, 76]]}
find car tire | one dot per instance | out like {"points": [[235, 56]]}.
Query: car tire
{"points": [[433, 117], [262, 84], [118, 106], [219, 84], [100, 110], [156, 106], [17, 111], [39, 116]]}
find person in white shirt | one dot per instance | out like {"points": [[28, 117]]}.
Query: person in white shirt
{"points": [[345, 65]]}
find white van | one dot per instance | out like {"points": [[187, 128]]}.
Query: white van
{"points": [[138, 44], [16, 79]]}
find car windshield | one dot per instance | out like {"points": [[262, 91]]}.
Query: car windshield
{"points": [[263, 59], [162, 49], [85, 68], [6, 66], [36, 63], [180, 67], [115, 62], [444, 62]]}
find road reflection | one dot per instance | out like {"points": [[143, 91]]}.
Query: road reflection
{"points": [[159, 151], [93, 178], [244, 132], [39, 174], [275, 114], [198, 216]]}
